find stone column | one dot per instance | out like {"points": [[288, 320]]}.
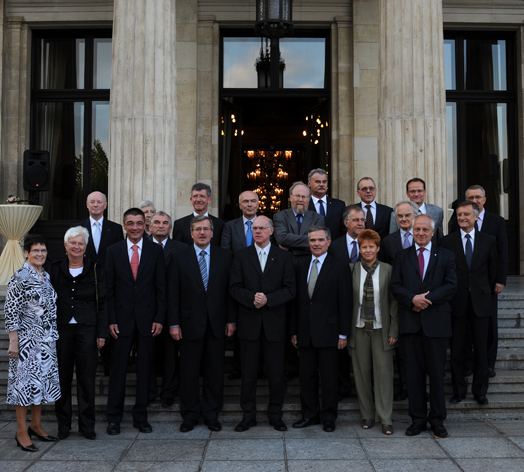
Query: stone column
{"points": [[143, 124], [412, 102]]}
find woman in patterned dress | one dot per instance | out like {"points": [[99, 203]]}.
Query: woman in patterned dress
{"points": [[30, 320]]}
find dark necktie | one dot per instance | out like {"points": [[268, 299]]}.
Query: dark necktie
{"points": [[203, 268], [321, 210], [477, 226], [354, 253], [421, 262], [369, 218], [469, 250], [249, 234], [299, 222]]}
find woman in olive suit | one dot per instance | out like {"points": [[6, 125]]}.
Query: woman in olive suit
{"points": [[374, 332]]}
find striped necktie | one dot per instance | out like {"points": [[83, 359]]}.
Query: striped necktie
{"points": [[203, 268]]}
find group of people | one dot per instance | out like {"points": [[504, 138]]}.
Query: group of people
{"points": [[318, 288]]}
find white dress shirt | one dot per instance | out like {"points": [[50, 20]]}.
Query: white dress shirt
{"points": [[317, 205], [207, 256], [425, 254], [377, 324], [480, 221], [75, 273], [410, 237], [265, 250], [96, 230], [373, 209], [349, 242], [196, 214], [245, 220], [130, 249], [422, 210]]}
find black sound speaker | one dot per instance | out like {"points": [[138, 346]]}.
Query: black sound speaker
{"points": [[37, 176]]}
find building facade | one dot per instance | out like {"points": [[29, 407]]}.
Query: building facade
{"points": [[141, 99]]}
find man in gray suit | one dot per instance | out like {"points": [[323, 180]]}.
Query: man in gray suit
{"points": [[291, 225], [416, 192], [237, 233]]}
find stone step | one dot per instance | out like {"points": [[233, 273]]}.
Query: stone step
{"points": [[511, 337], [510, 318]]}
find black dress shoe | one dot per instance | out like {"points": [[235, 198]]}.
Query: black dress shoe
{"points": [[481, 399], [187, 426], [401, 395], [113, 429], [143, 426], [213, 425], [167, 402], [30, 448], [235, 375], [491, 372], [32, 433], [457, 398], [244, 425], [415, 429], [278, 424], [329, 426], [305, 422], [439, 431], [63, 434], [90, 435]]}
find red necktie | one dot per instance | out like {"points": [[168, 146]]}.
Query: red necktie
{"points": [[421, 262], [134, 261]]}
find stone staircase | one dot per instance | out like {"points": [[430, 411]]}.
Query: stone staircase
{"points": [[506, 391]]}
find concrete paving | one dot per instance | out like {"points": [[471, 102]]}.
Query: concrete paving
{"points": [[474, 446]]}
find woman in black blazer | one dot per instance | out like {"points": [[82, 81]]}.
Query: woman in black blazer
{"points": [[83, 329]]}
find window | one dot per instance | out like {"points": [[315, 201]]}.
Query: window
{"points": [[70, 116]]}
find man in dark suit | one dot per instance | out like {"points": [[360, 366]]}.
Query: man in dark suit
{"points": [[493, 224], [391, 245], [402, 238], [320, 325], [424, 280], [102, 232], [377, 215], [416, 192], [262, 282], [200, 314], [346, 248], [476, 261], [200, 199], [136, 286], [330, 208], [238, 234], [291, 225], [166, 362]]}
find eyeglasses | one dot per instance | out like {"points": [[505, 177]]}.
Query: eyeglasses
{"points": [[368, 189], [38, 251], [300, 197], [198, 229]]}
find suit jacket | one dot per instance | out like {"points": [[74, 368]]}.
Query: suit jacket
{"points": [[390, 246], [339, 250], [496, 226], [333, 219], [190, 306], [388, 304], [277, 282], [287, 233], [318, 321], [233, 235], [171, 248], [141, 301], [382, 219], [182, 230], [477, 280], [111, 233], [431, 210], [440, 281]]}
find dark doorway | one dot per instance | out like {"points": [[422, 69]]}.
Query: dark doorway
{"points": [[267, 143]]}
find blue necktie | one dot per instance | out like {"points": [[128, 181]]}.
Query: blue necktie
{"points": [[469, 250], [321, 210], [249, 234], [203, 268], [406, 244], [354, 253], [299, 222]]}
